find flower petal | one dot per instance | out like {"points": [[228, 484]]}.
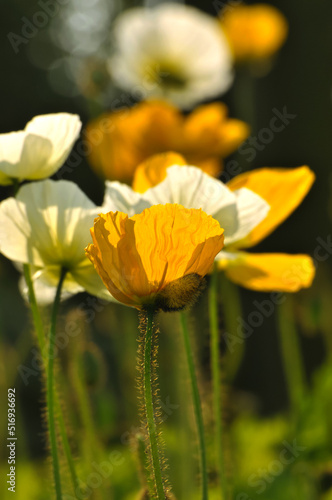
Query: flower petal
{"points": [[39, 150], [62, 129], [236, 212], [251, 210], [121, 198], [176, 40], [268, 272], [47, 224], [153, 170], [138, 257], [282, 188]]}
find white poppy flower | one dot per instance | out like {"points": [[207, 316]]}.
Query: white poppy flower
{"points": [[40, 149], [172, 51], [47, 226], [238, 212]]}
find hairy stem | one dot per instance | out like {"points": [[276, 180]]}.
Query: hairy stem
{"points": [[50, 392], [197, 405], [38, 324], [149, 409], [216, 380]]}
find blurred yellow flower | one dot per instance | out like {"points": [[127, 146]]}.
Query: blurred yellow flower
{"points": [[171, 51], [47, 226], [40, 149], [157, 258], [121, 140], [254, 31]]}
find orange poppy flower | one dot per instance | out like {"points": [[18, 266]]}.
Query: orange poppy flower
{"points": [[254, 31], [119, 141]]}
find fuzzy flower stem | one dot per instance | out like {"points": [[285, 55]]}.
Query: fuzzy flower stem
{"points": [[149, 408], [40, 335], [50, 389], [197, 405], [216, 379], [34, 309]]}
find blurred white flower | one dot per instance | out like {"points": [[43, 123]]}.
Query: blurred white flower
{"points": [[40, 149], [47, 226], [172, 51]]}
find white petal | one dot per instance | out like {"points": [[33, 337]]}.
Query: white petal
{"points": [[39, 150], [62, 129], [192, 188], [45, 282], [180, 36], [120, 197], [47, 224], [90, 280], [237, 212], [251, 209]]}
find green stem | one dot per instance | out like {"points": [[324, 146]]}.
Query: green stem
{"points": [[232, 312], [216, 379], [38, 324], [34, 309], [197, 405], [50, 389], [148, 399], [291, 355]]}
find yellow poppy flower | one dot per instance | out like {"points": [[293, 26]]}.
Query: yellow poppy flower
{"points": [[155, 259], [119, 141], [254, 31], [283, 189]]}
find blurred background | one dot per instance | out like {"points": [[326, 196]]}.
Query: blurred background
{"points": [[60, 67]]}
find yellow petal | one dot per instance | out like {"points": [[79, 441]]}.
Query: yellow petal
{"points": [[254, 31], [140, 256], [119, 141], [208, 130], [153, 170], [282, 188], [270, 272]]}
